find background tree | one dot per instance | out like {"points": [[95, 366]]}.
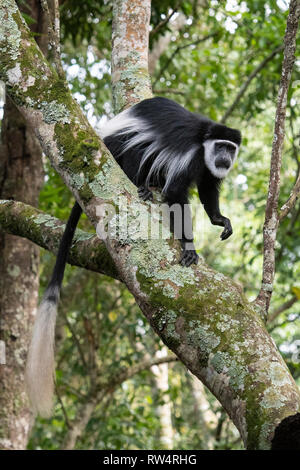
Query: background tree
{"points": [[21, 176]]}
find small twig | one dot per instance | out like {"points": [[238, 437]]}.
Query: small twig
{"points": [[288, 231], [70, 389], [80, 422], [92, 360], [290, 203], [285, 322], [56, 28], [180, 48], [285, 306], [122, 375], [173, 91], [271, 215], [63, 408], [246, 84], [76, 340], [162, 23], [56, 24]]}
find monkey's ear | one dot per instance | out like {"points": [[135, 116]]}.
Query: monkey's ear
{"points": [[207, 136]]}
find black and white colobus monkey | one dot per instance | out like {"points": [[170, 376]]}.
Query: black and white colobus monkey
{"points": [[157, 143]]}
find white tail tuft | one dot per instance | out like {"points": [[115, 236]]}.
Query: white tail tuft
{"points": [[40, 360]]}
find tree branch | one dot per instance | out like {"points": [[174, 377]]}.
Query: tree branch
{"points": [[125, 374], [87, 251], [163, 23], [246, 84], [287, 321], [285, 306], [108, 386], [162, 43], [271, 216], [52, 15], [291, 202], [178, 49], [174, 91]]}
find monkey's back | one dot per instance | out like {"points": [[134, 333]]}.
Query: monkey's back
{"points": [[156, 141]]}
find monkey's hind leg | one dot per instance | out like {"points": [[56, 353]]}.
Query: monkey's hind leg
{"points": [[188, 256], [145, 194]]}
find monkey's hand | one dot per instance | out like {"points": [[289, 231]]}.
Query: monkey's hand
{"points": [[227, 229], [223, 222], [145, 194], [189, 257]]}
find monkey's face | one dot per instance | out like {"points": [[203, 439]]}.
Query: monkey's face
{"points": [[219, 156]]}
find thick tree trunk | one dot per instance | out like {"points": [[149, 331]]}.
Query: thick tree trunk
{"points": [[199, 313], [20, 179]]}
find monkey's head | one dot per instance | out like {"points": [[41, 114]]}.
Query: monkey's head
{"points": [[221, 146]]}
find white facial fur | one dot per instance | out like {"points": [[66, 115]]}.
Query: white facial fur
{"points": [[210, 157]]}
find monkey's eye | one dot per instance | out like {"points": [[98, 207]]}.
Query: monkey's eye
{"points": [[225, 147]]}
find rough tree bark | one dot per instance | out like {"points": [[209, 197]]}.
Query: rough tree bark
{"points": [[20, 168], [20, 179], [87, 250], [199, 313]]}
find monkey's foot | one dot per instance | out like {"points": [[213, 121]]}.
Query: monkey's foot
{"points": [[145, 194], [189, 257]]}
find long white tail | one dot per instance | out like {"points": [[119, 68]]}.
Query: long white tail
{"points": [[40, 361]]}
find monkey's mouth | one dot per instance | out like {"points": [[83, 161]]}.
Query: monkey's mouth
{"points": [[223, 163]]}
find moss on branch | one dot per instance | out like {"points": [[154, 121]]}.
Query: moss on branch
{"points": [[87, 250]]}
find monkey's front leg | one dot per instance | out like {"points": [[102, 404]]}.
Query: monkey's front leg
{"points": [[219, 219], [209, 196]]}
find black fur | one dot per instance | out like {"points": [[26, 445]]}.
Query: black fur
{"points": [[52, 292], [177, 130]]}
